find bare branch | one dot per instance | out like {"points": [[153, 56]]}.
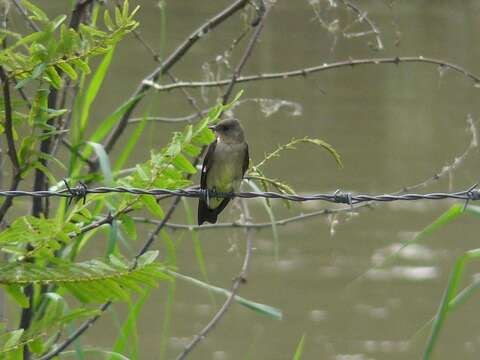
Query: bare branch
{"points": [[314, 69], [24, 13], [248, 52], [256, 226], [362, 17]]}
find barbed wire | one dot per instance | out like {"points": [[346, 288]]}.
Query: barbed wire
{"points": [[81, 191]]}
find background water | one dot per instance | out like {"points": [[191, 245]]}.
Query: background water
{"points": [[393, 126]]}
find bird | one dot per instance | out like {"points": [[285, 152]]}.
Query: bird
{"points": [[224, 165]]}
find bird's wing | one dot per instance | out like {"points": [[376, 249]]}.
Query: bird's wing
{"points": [[207, 163], [246, 160]]}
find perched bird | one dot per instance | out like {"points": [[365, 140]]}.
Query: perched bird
{"points": [[223, 168]]}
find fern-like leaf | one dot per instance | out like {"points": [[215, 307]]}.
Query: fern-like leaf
{"points": [[90, 281]]}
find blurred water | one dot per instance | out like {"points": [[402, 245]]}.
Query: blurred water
{"points": [[393, 125]]}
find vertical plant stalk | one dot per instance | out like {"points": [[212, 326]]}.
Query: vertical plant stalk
{"points": [[16, 177], [12, 152]]}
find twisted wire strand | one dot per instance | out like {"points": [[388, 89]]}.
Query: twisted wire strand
{"points": [[341, 197]]}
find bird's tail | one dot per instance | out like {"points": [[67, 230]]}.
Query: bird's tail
{"points": [[207, 214]]}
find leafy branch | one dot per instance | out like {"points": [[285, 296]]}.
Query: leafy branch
{"points": [[47, 54], [291, 146], [93, 280]]}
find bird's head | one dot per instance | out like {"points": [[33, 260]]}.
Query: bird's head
{"points": [[229, 131]]}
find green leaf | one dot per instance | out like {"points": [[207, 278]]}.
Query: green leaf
{"points": [[129, 226], [299, 351], [35, 36], [131, 144], [69, 70], [104, 162], [82, 65], [118, 17], [125, 9], [54, 78], [94, 88], [108, 20], [182, 163], [306, 140], [17, 294], [151, 204], [51, 158], [14, 338], [37, 12], [45, 170], [107, 124], [134, 11], [128, 337], [197, 245], [91, 281], [58, 21], [44, 236], [95, 354], [260, 308], [271, 215], [104, 128], [148, 258]]}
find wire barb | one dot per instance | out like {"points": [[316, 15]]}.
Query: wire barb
{"points": [[76, 193], [473, 194], [341, 197]]}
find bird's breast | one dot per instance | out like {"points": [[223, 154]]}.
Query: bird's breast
{"points": [[226, 170]]}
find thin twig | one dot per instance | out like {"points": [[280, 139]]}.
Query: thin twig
{"points": [[248, 52], [362, 17], [240, 279], [314, 69], [256, 226], [24, 13], [166, 119]]}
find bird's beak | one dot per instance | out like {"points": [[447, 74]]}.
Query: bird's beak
{"points": [[212, 127]]}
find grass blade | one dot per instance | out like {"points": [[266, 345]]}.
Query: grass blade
{"points": [[263, 309], [129, 335], [93, 89], [196, 241], [104, 161], [299, 351], [132, 142], [167, 320], [98, 352], [271, 215], [449, 299]]}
